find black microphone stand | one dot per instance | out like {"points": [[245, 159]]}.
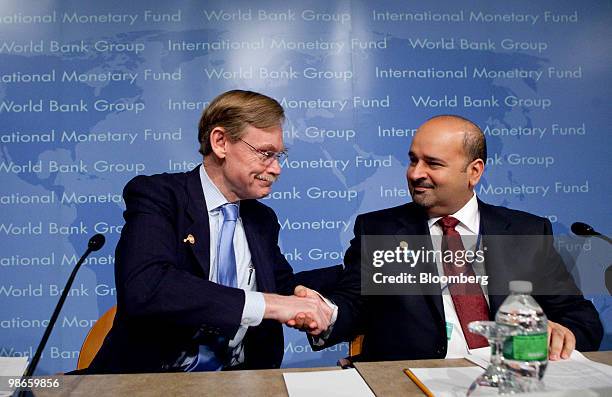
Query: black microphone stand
{"points": [[95, 243]]}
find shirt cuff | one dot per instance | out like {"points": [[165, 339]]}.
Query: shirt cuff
{"points": [[322, 337], [254, 308], [334, 310]]}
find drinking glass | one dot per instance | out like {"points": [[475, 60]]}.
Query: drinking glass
{"points": [[495, 375]]}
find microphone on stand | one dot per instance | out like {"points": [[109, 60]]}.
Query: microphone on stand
{"points": [[95, 243], [582, 229]]}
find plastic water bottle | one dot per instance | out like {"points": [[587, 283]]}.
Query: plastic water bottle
{"points": [[526, 354]]}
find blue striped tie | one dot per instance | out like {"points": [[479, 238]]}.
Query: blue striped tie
{"points": [[208, 354], [226, 258]]}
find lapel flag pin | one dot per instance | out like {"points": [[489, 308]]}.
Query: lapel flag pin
{"points": [[189, 239]]}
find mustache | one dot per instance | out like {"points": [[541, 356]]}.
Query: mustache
{"points": [[267, 177], [422, 183]]}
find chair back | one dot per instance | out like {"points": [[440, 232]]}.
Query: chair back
{"points": [[355, 346], [95, 337]]}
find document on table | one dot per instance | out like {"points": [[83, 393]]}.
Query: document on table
{"points": [[576, 373], [448, 381], [340, 383], [559, 371], [11, 367]]}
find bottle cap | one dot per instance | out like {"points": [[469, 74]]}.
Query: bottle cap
{"points": [[520, 286]]}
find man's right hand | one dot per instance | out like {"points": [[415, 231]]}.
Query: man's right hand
{"points": [[312, 310], [301, 321]]}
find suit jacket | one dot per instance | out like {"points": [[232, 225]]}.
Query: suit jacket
{"points": [[164, 296], [400, 327]]}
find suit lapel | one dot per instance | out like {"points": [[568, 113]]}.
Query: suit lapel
{"points": [[200, 228], [498, 254], [414, 223], [261, 261], [492, 223]]}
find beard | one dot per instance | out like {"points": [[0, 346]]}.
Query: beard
{"points": [[425, 199]]}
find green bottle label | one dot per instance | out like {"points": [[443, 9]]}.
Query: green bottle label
{"points": [[533, 347]]}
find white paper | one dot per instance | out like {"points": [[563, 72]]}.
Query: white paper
{"points": [[576, 373], [14, 367], [448, 382], [338, 383]]}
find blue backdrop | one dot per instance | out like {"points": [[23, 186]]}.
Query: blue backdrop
{"points": [[94, 93]]}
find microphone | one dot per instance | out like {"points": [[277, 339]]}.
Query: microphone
{"points": [[94, 244], [582, 229]]}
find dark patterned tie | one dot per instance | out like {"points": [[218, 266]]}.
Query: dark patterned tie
{"points": [[470, 303]]}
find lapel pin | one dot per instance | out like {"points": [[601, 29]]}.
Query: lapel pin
{"points": [[403, 244], [189, 239]]}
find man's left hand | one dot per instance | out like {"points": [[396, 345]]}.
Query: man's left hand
{"points": [[561, 341]]}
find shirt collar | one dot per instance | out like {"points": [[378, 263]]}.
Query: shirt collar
{"points": [[468, 215], [214, 198]]}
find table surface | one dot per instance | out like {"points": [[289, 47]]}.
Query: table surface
{"points": [[385, 378]]}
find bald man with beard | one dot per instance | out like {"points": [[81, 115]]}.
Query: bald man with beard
{"points": [[447, 159]]}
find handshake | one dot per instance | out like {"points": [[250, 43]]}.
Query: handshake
{"points": [[305, 310]]}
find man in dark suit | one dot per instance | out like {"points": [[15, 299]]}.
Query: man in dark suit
{"points": [[201, 282], [429, 320]]}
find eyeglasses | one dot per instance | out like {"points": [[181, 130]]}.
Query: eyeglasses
{"points": [[267, 156]]}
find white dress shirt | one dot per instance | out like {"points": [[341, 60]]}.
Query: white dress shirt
{"points": [[469, 229], [254, 304]]}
